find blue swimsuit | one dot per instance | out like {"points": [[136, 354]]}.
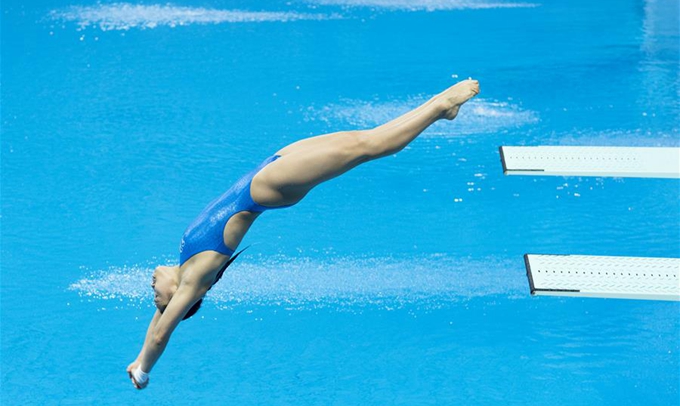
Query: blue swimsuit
{"points": [[206, 232]]}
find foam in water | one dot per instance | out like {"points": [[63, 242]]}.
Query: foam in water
{"points": [[124, 16], [304, 283], [477, 116], [427, 5]]}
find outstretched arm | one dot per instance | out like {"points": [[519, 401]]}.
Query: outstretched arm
{"points": [[160, 329], [149, 334]]}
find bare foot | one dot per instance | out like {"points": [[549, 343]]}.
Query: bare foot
{"points": [[454, 97]]}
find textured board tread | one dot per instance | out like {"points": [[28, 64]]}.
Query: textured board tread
{"points": [[602, 276], [635, 162]]}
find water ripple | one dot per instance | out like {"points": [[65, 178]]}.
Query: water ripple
{"points": [[124, 16], [478, 116], [303, 283], [427, 5]]}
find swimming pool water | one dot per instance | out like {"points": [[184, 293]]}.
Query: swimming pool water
{"points": [[401, 282]]}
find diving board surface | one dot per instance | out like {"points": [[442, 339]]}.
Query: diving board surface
{"points": [[624, 162], [605, 277]]}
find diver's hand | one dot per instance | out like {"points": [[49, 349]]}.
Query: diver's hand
{"points": [[139, 378], [132, 366]]}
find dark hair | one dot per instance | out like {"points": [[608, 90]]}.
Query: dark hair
{"points": [[197, 305], [193, 309]]}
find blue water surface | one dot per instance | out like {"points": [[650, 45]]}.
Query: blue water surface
{"points": [[400, 283]]}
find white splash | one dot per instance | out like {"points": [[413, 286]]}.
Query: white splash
{"points": [[124, 16], [427, 5], [478, 116], [303, 283]]}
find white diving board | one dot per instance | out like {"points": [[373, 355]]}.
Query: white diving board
{"points": [[623, 162], [604, 277]]}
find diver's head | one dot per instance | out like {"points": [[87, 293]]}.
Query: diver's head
{"points": [[166, 279], [164, 282]]}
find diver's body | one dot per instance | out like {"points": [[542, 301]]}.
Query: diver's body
{"points": [[281, 180]]}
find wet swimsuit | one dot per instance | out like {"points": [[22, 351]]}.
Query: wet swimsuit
{"points": [[206, 232]]}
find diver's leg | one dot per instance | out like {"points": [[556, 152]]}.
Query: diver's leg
{"points": [[450, 96], [307, 143], [307, 164], [393, 136], [313, 142]]}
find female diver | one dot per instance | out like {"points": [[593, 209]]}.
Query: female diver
{"points": [[282, 180]]}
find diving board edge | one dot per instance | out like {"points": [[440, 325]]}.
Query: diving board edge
{"points": [[507, 171], [584, 276], [619, 162], [540, 292]]}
